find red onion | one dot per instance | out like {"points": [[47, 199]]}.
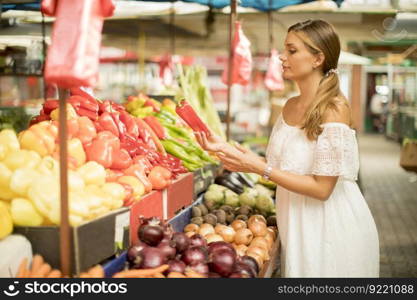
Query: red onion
{"points": [[214, 275], [194, 255], [251, 262], [182, 242], [216, 246], [238, 275], [222, 262], [198, 240], [176, 266], [167, 249], [243, 269], [152, 258], [134, 254], [151, 234], [200, 268]]}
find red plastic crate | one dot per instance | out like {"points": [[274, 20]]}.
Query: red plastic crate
{"points": [[151, 205], [178, 195]]}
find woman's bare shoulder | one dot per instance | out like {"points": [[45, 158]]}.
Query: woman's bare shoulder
{"points": [[340, 112]]}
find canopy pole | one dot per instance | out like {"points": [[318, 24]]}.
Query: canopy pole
{"points": [[172, 27], [65, 237], [232, 18], [44, 56]]}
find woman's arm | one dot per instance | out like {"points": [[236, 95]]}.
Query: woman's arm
{"points": [[318, 187]]}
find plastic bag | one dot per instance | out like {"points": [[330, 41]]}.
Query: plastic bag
{"points": [[242, 59], [73, 56], [273, 78]]}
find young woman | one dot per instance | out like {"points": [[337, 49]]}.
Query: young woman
{"points": [[325, 225]]}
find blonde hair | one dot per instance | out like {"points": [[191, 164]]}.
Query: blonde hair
{"points": [[320, 37]]}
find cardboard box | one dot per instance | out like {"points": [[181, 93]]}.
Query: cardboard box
{"points": [[178, 195], [151, 205], [92, 242]]}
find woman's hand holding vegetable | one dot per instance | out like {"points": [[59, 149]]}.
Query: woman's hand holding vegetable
{"points": [[235, 158]]}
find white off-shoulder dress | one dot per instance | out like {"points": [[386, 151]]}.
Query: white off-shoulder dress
{"points": [[332, 238]]}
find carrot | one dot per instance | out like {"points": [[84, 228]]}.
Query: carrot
{"points": [[141, 272], [158, 275], [153, 135], [54, 274], [85, 275], [42, 271], [96, 272], [176, 275], [37, 262], [22, 270], [190, 273]]}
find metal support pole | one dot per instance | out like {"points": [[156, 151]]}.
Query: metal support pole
{"points": [[233, 13], [172, 28], [43, 55], [65, 230]]}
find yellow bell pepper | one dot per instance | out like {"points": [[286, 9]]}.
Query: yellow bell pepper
{"points": [[24, 213], [76, 150], [8, 142], [21, 180], [5, 175], [71, 114], [44, 192], [116, 192], [48, 166], [22, 158], [39, 138], [6, 223], [137, 186], [3, 151], [92, 173], [75, 181]]}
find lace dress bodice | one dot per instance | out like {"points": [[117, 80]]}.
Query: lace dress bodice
{"points": [[334, 153]]}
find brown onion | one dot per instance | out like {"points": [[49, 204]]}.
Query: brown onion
{"points": [[243, 236], [228, 234], [240, 249], [190, 233], [206, 229], [257, 218], [192, 228], [260, 242], [238, 224], [219, 228], [212, 237], [268, 238], [273, 230], [259, 251], [258, 228]]}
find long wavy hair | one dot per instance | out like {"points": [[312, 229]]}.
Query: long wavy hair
{"points": [[320, 37]]}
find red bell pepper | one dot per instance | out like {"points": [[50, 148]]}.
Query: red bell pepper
{"points": [[113, 175], [128, 200], [160, 177], [121, 159], [131, 126], [106, 122], [156, 126], [153, 136], [102, 147], [139, 171], [143, 132], [72, 128], [143, 161], [79, 92], [119, 124], [87, 131], [49, 106], [188, 114], [84, 107], [156, 106]]}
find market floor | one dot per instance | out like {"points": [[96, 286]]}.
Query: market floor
{"points": [[391, 194]]}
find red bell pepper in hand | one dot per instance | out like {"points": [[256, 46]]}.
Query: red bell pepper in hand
{"points": [[139, 172], [188, 114], [121, 159], [131, 126], [160, 177], [106, 122], [102, 147]]}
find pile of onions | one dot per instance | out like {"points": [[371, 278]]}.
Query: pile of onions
{"points": [[191, 228], [211, 238], [258, 228], [238, 224], [243, 236], [206, 229]]}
